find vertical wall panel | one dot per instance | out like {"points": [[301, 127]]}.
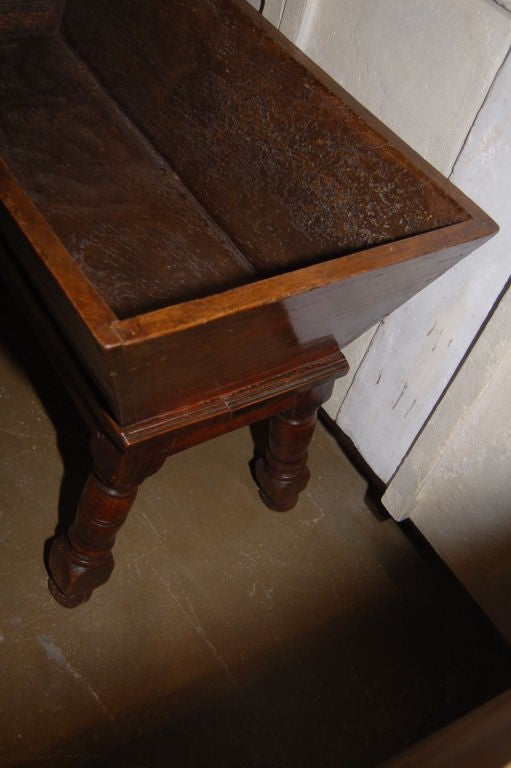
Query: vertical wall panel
{"points": [[425, 67], [355, 353], [462, 504], [422, 66], [417, 350], [273, 9], [484, 169]]}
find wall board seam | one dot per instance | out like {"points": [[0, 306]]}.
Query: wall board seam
{"points": [[492, 309], [483, 377], [292, 18], [457, 429], [463, 419], [482, 106], [501, 5], [357, 370], [282, 12], [444, 394]]}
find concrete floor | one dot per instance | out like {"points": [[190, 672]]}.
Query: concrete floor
{"points": [[228, 635]]}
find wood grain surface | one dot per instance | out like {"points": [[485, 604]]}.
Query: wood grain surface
{"points": [[285, 167], [21, 18], [195, 228], [167, 312], [114, 203]]}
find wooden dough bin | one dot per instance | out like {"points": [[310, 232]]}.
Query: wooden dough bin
{"points": [[197, 219]]}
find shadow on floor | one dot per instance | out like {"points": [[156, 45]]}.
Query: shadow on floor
{"points": [[347, 696], [340, 674]]}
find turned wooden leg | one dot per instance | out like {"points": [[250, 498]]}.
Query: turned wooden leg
{"points": [[82, 559], [283, 473]]}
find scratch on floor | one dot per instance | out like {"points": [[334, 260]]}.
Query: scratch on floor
{"points": [[201, 632], [151, 525], [133, 559], [320, 509], [194, 621], [16, 433], [9, 459], [54, 653], [190, 614]]}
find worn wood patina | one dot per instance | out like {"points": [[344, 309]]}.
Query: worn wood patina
{"points": [[197, 220]]}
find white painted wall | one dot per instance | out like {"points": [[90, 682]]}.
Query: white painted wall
{"points": [[273, 9], [484, 170], [422, 343], [439, 73], [422, 66], [355, 354], [456, 482], [426, 68]]}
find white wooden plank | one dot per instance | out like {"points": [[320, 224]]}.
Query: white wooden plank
{"points": [[292, 17], [272, 9], [412, 358], [415, 353], [409, 485], [422, 66], [463, 504], [354, 353], [484, 170]]}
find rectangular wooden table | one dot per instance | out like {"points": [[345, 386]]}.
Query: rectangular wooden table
{"points": [[198, 219]]}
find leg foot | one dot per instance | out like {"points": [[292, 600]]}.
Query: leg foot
{"points": [[283, 473], [68, 601], [82, 559]]}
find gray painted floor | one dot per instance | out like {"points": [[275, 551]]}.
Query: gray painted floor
{"points": [[228, 635]]}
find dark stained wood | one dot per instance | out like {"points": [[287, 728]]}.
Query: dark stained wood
{"points": [[94, 256], [250, 127], [194, 236], [283, 473], [281, 333], [82, 559], [185, 426], [284, 317], [109, 197], [22, 18]]}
